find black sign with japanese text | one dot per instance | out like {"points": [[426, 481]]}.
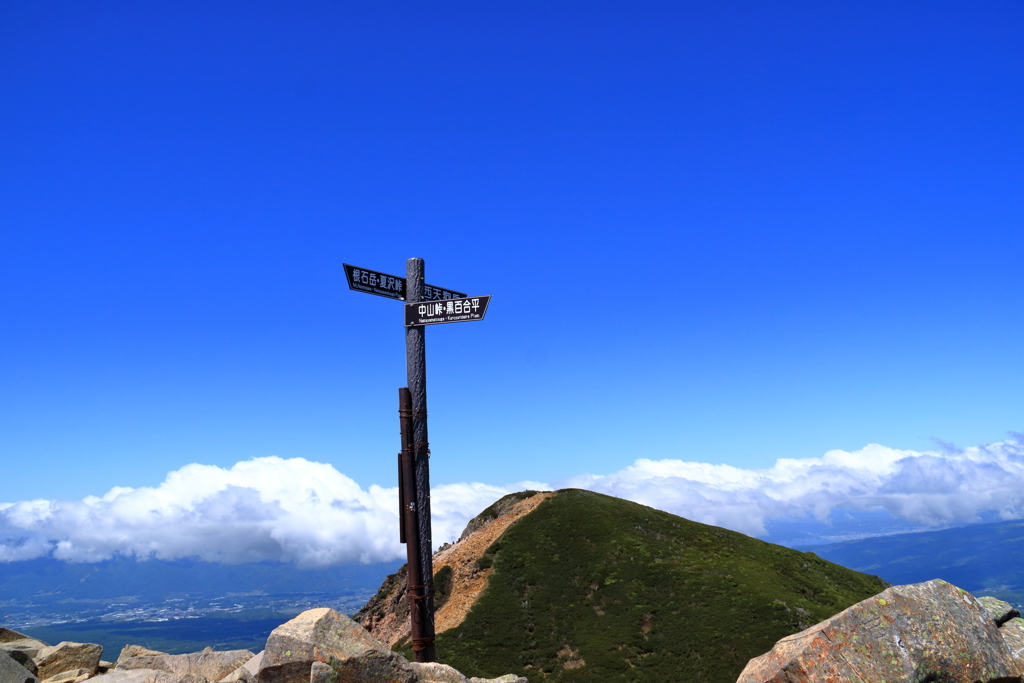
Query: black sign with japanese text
{"points": [[391, 286], [461, 310]]}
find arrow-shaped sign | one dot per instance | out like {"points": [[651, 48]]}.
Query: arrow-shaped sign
{"points": [[391, 286], [461, 310]]}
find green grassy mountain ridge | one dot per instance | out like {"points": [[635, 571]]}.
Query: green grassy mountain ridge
{"points": [[587, 587]]}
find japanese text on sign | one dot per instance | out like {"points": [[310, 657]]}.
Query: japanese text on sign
{"points": [[392, 286], [448, 311], [380, 280]]}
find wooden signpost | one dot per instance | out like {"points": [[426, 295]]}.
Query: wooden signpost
{"points": [[425, 305]]}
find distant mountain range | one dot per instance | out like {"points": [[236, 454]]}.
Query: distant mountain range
{"points": [[986, 559]]}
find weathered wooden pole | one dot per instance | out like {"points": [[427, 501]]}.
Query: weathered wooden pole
{"points": [[420, 624], [421, 591]]}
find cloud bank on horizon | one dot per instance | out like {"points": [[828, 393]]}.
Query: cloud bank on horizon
{"points": [[311, 514]]}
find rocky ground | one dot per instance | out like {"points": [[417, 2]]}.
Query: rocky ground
{"points": [[319, 646], [931, 631]]}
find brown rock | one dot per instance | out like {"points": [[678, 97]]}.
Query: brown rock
{"points": [[68, 656], [30, 647], [129, 651], [322, 673], [208, 664], [73, 676], [9, 635], [930, 631]]}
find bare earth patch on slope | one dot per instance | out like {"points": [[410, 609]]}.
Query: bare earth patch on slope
{"points": [[468, 580], [386, 615]]}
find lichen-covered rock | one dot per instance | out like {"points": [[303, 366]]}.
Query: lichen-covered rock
{"points": [[1013, 635], [209, 664], [12, 672], [929, 631], [68, 656], [998, 610], [129, 651]]}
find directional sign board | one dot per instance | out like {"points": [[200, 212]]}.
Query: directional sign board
{"points": [[391, 286], [461, 310]]}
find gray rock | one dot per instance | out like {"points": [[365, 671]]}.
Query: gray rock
{"points": [[67, 656], [23, 659], [210, 665], [239, 675], [253, 665], [246, 673], [929, 631], [129, 651], [324, 635], [146, 676], [12, 672], [435, 671], [1000, 611]]}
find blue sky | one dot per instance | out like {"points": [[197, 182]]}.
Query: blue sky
{"points": [[723, 233]]}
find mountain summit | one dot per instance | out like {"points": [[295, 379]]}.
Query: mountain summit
{"points": [[580, 586]]}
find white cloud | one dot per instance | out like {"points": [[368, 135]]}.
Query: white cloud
{"points": [[309, 513], [260, 509], [920, 488]]}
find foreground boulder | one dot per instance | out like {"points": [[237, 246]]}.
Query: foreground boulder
{"points": [[326, 636], [1011, 627], [11, 641], [13, 672], [929, 631], [209, 664], [68, 656], [324, 646]]}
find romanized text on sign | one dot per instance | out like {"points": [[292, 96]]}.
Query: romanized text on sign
{"points": [[391, 286], [460, 310]]}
